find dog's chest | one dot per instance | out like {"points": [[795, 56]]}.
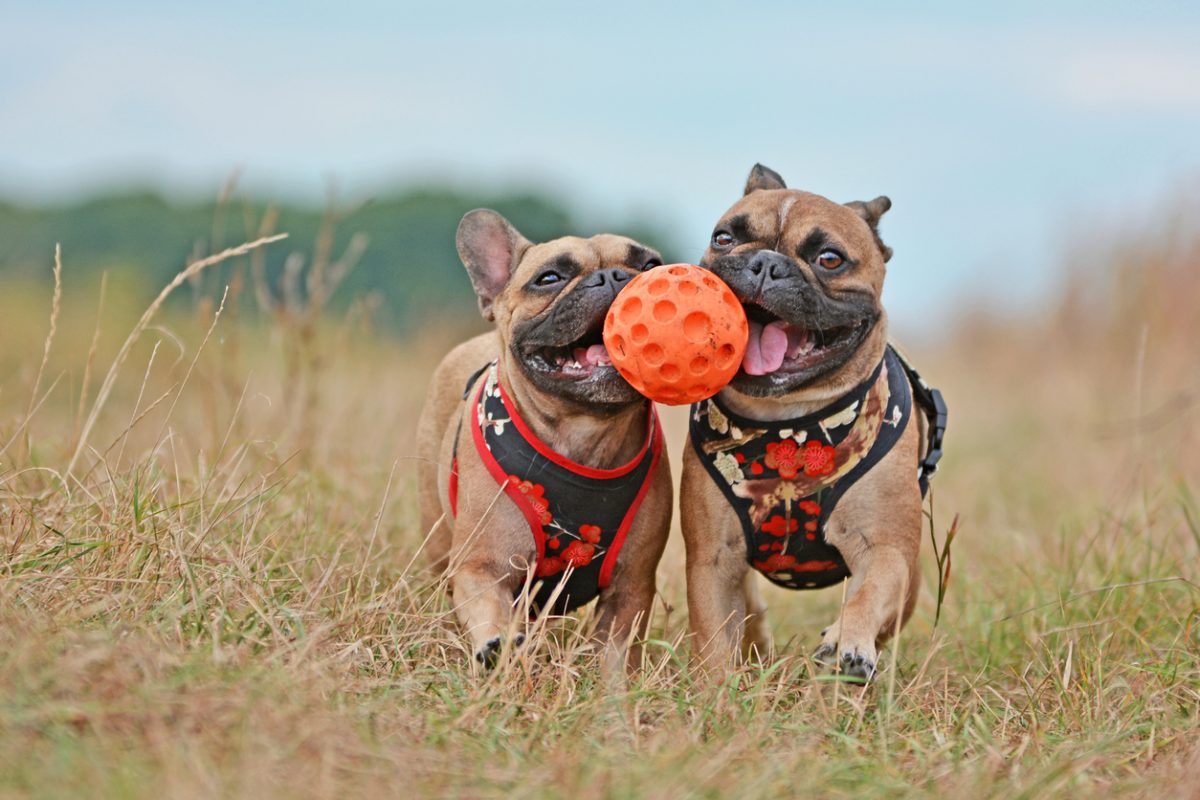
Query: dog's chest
{"points": [[784, 478], [578, 516]]}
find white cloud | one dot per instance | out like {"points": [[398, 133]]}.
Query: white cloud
{"points": [[1126, 77]]}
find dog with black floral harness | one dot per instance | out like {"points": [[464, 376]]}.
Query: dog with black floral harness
{"points": [[810, 467]]}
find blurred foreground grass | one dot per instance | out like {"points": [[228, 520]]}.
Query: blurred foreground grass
{"points": [[222, 596]]}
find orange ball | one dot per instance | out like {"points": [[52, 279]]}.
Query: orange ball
{"points": [[677, 333]]}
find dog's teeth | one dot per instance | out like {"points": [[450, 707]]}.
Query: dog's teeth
{"points": [[576, 365]]}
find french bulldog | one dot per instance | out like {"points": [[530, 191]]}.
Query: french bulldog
{"points": [[541, 471], [807, 467]]}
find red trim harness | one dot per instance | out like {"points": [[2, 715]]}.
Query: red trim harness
{"points": [[579, 515]]}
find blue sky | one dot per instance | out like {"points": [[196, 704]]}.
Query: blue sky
{"points": [[1003, 136]]}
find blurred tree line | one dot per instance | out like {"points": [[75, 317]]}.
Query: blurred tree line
{"points": [[409, 264]]}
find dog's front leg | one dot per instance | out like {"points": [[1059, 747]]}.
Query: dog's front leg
{"points": [[716, 571], [757, 644], [483, 602], [623, 614], [717, 609], [881, 599]]}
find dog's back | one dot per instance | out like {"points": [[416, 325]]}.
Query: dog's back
{"points": [[441, 412]]}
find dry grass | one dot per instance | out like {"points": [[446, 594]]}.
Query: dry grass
{"points": [[212, 591]]}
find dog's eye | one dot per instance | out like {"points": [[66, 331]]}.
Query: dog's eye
{"points": [[548, 278], [830, 259], [721, 240], [651, 264]]}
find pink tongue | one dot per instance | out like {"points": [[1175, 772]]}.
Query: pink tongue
{"points": [[752, 362], [765, 348], [774, 344], [593, 356], [597, 354]]}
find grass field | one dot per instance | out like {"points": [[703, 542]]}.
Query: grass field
{"points": [[210, 582]]}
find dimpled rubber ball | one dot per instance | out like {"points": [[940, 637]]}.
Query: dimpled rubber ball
{"points": [[676, 333]]}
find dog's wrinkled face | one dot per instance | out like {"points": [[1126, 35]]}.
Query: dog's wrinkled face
{"points": [[809, 273], [549, 302]]}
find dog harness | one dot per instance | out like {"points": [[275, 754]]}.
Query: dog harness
{"points": [[784, 478], [579, 515]]}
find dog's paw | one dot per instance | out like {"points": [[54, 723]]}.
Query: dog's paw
{"points": [[852, 663], [824, 654], [489, 654], [857, 665]]}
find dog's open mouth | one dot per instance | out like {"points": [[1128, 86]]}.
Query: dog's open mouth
{"points": [[778, 346], [586, 357]]}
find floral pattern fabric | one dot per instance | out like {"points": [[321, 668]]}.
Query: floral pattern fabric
{"points": [[578, 516], [784, 478]]}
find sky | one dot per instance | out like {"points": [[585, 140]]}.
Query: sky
{"points": [[1005, 137]]}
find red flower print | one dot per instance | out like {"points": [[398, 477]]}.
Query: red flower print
{"points": [[811, 526], [553, 542], [590, 533], [816, 566], [578, 554], [778, 526], [778, 562], [782, 456], [809, 507], [810, 536], [756, 468], [543, 509], [550, 565], [535, 494], [740, 457], [775, 563], [818, 458]]}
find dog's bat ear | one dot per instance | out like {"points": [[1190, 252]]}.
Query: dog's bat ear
{"points": [[763, 178], [871, 211], [490, 248]]}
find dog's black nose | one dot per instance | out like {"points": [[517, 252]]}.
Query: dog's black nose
{"points": [[780, 270], [614, 279], [767, 264]]}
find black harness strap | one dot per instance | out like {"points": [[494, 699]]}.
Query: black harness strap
{"points": [[933, 406], [466, 395], [474, 377]]}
